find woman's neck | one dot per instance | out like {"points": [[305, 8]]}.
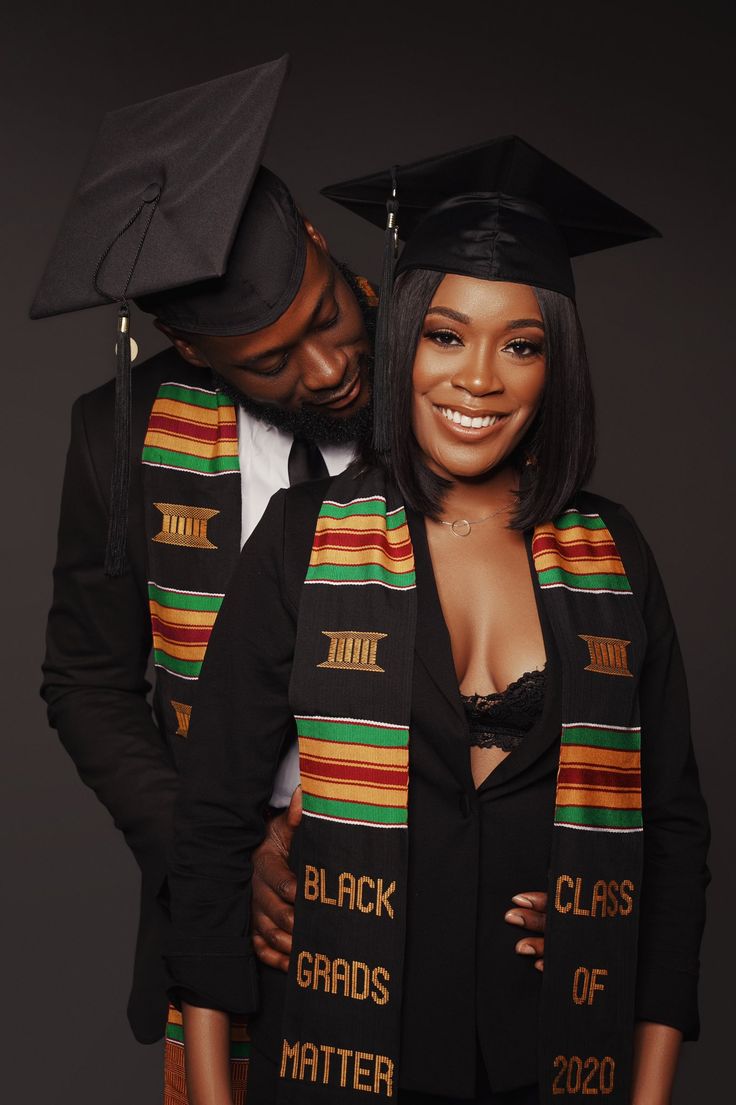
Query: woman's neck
{"points": [[476, 498]]}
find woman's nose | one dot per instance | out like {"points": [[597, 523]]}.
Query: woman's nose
{"points": [[478, 374]]}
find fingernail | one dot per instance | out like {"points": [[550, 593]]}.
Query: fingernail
{"points": [[539, 964], [514, 918], [526, 949], [519, 899]]}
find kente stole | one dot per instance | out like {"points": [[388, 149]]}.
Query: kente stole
{"points": [[192, 493], [192, 499], [351, 696]]}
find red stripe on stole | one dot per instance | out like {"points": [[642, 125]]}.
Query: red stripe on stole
{"points": [[199, 635], [599, 777], [197, 431], [354, 773], [547, 543], [369, 540]]}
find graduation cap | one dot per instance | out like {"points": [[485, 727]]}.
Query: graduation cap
{"points": [[174, 210], [500, 210]]}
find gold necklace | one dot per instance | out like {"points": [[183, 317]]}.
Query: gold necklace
{"points": [[461, 527]]}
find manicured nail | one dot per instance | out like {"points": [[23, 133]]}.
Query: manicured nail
{"points": [[519, 899], [514, 918], [526, 949]]}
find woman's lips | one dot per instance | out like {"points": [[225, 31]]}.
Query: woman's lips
{"points": [[464, 424]]}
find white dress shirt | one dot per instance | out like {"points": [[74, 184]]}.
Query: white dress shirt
{"points": [[263, 452]]}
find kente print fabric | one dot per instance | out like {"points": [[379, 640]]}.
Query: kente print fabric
{"points": [[596, 863], [192, 494], [350, 693]]}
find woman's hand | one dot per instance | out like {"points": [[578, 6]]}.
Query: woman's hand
{"points": [[274, 888], [207, 1055], [530, 912]]}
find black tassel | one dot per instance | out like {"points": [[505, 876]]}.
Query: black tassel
{"points": [[383, 398], [116, 553]]}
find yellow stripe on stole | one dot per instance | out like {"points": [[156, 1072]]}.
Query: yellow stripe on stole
{"points": [[198, 416], [165, 439], [353, 753], [175, 616], [572, 755], [181, 652], [361, 556], [576, 796], [579, 565], [361, 523], [353, 792]]}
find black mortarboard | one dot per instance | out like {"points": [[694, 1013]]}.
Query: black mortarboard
{"points": [[497, 211], [174, 211]]}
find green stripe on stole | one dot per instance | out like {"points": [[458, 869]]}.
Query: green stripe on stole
{"points": [[355, 783]]}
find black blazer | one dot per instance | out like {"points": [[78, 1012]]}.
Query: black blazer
{"points": [[469, 850], [98, 646]]}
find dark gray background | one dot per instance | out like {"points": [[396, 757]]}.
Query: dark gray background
{"points": [[636, 98]]}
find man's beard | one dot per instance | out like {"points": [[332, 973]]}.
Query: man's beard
{"points": [[312, 423]]}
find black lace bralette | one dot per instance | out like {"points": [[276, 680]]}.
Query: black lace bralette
{"points": [[503, 719]]}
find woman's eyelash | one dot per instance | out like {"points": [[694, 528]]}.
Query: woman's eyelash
{"points": [[431, 334], [525, 343]]}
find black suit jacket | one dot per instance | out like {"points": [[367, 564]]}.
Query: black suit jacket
{"points": [[97, 652], [469, 850]]}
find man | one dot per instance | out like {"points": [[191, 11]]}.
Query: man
{"points": [[266, 382]]}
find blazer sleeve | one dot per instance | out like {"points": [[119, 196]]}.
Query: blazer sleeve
{"points": [[97, 647], [676, 830], [238, 726]]}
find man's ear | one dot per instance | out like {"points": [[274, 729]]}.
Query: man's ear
{"points": [[182, 345], [316, 235]]}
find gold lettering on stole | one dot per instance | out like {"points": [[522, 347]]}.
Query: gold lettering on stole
{"points": [[309, 1059], [606, 898], [359, 1071], [289, 1051], [585, 984]]}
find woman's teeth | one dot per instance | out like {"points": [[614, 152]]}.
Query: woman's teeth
{"points": [[476, 423]]}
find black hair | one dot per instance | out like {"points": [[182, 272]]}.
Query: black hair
{"points": [[557, 455]]}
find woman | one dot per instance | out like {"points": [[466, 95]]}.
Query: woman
{"points": [[430, 623]]}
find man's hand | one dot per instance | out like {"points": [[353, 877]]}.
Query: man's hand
{"points": [[530, 912], [274, 888]]}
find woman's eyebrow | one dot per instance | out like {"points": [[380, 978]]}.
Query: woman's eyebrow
{"points": [[448, 312], [512, 324]]}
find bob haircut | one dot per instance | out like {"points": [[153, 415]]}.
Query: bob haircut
{"points": [[557, 455]]}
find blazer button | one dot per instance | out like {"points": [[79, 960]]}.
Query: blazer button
{"points": [[465, 805]]}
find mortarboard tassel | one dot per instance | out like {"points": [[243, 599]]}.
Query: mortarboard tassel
{"points": [[115, 554], [382, 389]]}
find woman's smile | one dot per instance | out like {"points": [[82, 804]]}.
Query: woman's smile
{"points": [[470, 423]]}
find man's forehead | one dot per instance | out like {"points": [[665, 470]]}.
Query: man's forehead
{"points": [[316, 287]]}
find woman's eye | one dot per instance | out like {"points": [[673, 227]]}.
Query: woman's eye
{"points": [[523, 347], [443, 337]]}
